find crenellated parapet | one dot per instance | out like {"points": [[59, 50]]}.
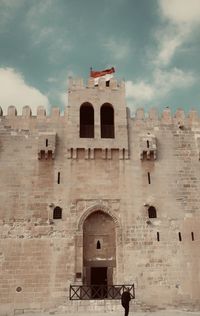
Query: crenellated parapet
{"points": [[78, 84], [27, 112], [179, 119], [141, 117]]}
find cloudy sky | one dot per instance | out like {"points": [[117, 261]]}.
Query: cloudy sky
{"points": [[153, 44]]}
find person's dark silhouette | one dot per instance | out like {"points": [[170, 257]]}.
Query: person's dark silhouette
{"points": [[125, 299]]}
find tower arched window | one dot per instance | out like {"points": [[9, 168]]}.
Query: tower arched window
{"points": [[86, 120], [107, 121], [57, 213], [152, 212]]}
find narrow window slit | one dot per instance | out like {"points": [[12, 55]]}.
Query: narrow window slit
{"points": [[123, 153], [149, 177], [192, 235], [158, 236], [179, 236], [47, 142], [147, 143], [58, 179], [98, 245]]}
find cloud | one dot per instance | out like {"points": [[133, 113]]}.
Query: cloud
{"points": [[45, 33], [52, 79], [15, 91], [169, 40], [166, 81], [8, 8], [118, 49], [163, 83], [180, 11], [181, 18], [140, 91], [11, 3]]}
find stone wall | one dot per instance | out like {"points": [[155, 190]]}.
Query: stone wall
{"points": [[40, 256]]}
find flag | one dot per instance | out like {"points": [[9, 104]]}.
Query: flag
{"points": [[106, 73]]}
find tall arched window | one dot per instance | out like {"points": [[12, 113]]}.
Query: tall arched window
{"points": [[86, 120], [107, 121], [152, 212]]}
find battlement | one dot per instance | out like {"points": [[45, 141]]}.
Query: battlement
{"points": [[180, 118], [78, 84], [27, 112]]}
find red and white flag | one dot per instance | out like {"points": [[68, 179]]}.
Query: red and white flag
{"points": [[107, 74]]}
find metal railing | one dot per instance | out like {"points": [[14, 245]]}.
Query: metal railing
{"points": [[99, 292]]}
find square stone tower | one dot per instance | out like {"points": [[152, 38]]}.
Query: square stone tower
{"points": [[97, 119]]}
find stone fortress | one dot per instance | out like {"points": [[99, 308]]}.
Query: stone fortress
{"points": [[96, 195]]}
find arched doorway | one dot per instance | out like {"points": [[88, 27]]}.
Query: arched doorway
{"points": [[99, 249]]}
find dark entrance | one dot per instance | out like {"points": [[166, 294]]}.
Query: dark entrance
{"points": [[99, 282]]}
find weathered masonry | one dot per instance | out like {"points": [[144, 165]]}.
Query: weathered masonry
{"points": [[96, 196]]}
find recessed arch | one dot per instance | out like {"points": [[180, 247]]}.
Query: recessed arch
{"points": [[83, 268], [86, 120], [107, 121], [99, 249], [97, 207]]}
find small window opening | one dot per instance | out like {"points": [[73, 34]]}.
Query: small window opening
{"points": [[47, 142], [192, 236], [151, 155], [49, 154], [152, 212], [57, 213], [149, 177], [78, 275], [158, 236], [58, 179], [147, 143], [42, 154], [144, 154], [98, 245], [179, 236], [108, 83]]}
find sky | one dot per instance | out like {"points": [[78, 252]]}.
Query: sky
{"points": [[154, 46]]}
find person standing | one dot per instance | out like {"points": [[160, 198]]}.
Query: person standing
{"points": [[125, 299]]}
